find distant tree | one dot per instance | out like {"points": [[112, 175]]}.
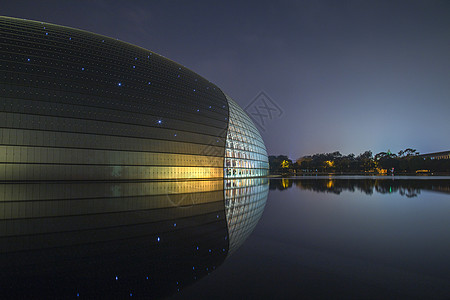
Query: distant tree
{"points": [[410, 152], [365, 155], [380, 155], [406, 161], [365, 161], [336, 154], [279, 164]]}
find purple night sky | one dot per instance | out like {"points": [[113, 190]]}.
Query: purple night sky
{"points": [[349, 76]]}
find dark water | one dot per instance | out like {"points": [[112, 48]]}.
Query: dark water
{"points": [[118, 240], [310, 238], [343, 238]]}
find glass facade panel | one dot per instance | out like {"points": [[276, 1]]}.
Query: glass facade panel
{"points": [[245, 152]]}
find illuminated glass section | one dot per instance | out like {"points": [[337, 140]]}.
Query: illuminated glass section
{"points": [[245, 153], [245, 200]]}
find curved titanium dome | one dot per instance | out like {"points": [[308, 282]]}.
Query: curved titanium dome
{"points": [[80, 106]]}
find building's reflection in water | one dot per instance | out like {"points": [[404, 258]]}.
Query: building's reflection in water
{"points": [[103, 240], [245, 200]]}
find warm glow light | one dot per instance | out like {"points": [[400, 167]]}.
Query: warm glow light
{"points": [[285, 164], [329, 163], [330, 184]]}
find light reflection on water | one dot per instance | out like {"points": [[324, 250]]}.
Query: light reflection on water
{"points": [[343, 238], [318, 238], [405, 186], [120, 239]]}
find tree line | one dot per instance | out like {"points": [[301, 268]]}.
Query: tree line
{"points": [[406, 161]]}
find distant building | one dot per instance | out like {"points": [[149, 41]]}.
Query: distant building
{"points": [[436, 155]]}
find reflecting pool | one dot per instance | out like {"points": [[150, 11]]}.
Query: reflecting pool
{"points": [[342, 238], [304, 238], [120, 239]]}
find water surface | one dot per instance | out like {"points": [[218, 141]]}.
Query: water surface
{"points": [[341, 238], [304, 238]]}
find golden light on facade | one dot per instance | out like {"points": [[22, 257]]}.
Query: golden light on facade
{"points": [[94, 117]]}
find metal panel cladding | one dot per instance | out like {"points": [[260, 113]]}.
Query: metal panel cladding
{"points": [[80, 106]]}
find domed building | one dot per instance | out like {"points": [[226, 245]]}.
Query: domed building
{"points": [[98, 141], [80, 106]]}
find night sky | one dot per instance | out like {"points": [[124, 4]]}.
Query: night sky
{"points": [[348, 76]]}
